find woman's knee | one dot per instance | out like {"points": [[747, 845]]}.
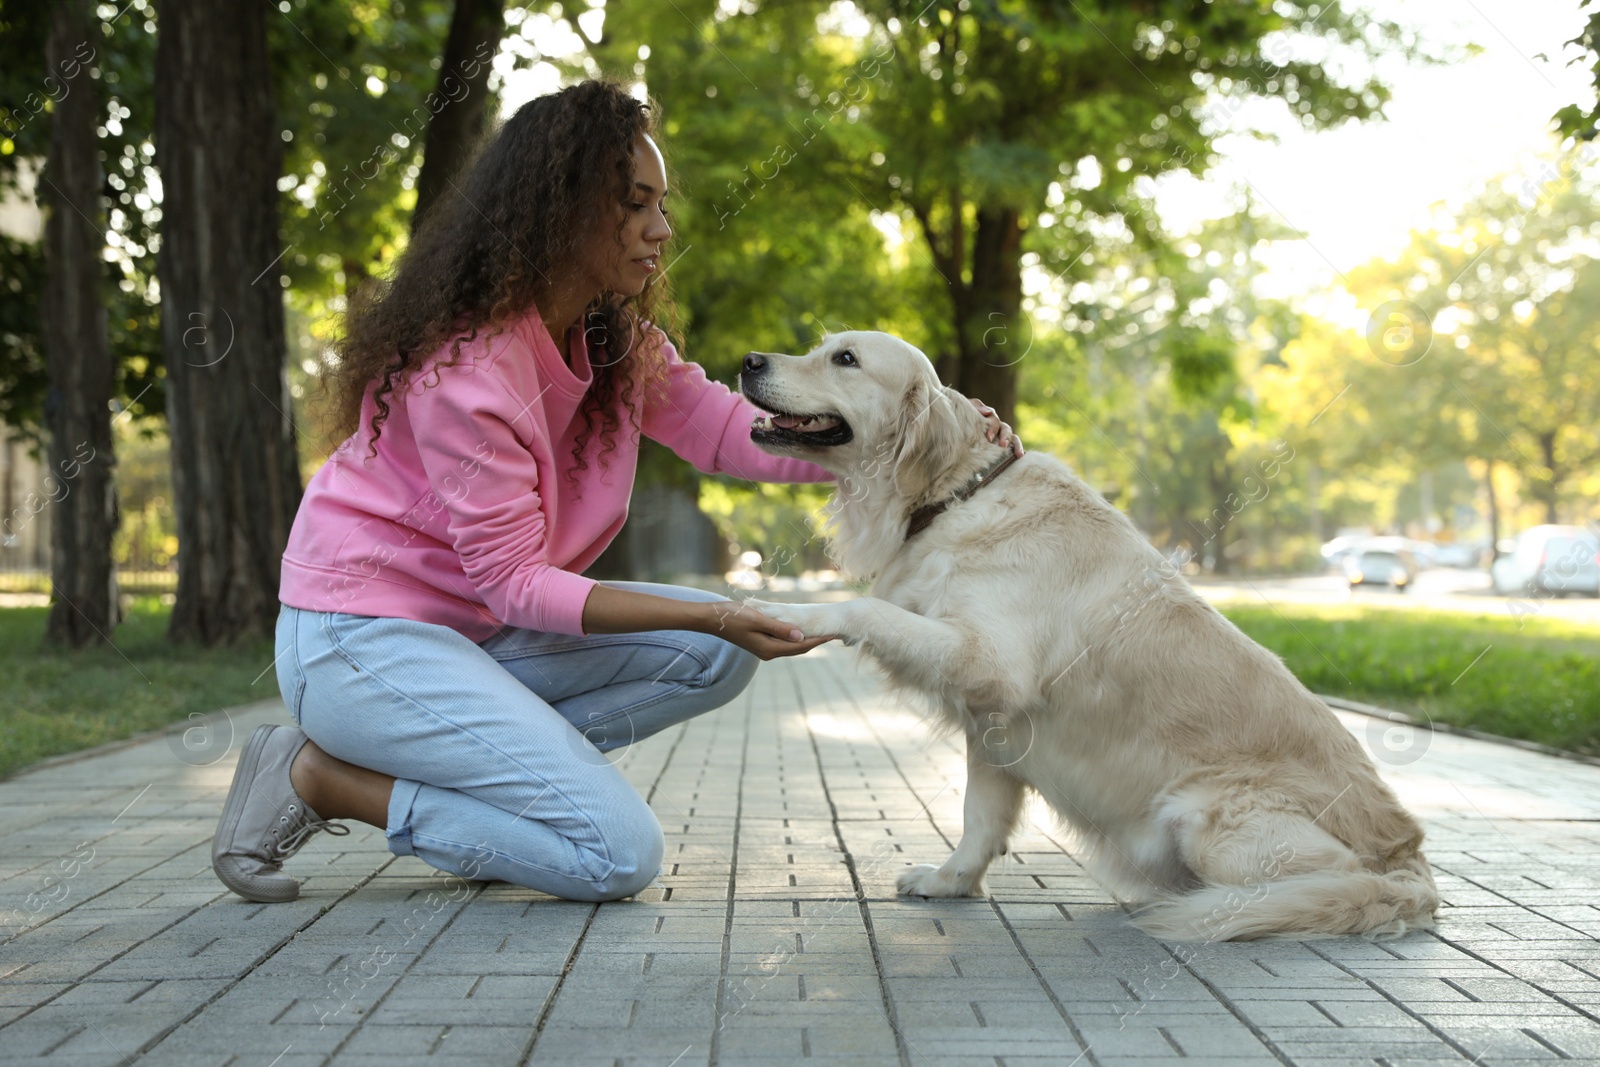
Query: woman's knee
{"points": [[634, 853], [731, 670]]}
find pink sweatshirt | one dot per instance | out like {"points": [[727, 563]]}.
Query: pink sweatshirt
{"points": [[466, 516]]}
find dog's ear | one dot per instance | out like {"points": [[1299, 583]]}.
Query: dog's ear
{"points": [[932, 434]]}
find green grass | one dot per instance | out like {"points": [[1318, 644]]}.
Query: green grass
{"points": [[1538, 681], [64, 701]]}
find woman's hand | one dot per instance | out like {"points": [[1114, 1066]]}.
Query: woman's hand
{"points": [[761, 635], [609, 610], [995, 430]]}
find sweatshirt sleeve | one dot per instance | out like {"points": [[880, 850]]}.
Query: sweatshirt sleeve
{"points": [[708, 424], [471, 427]]}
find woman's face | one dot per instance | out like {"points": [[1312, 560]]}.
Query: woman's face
{"points": [[624, 264]]}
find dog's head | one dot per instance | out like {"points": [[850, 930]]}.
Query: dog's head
{"points": [[863, 405]]}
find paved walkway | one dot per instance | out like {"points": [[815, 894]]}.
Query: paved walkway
{"points": [[774, 935]]}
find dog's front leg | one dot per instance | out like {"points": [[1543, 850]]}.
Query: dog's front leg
{"points": [[990, 811]]}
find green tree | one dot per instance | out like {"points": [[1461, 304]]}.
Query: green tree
{"points": [[356, 88], [1011, 128], [1143, 378], [1576, 120], [118, 56], [1500, 351]]}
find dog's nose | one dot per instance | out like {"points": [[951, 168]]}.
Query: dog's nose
{"points": [[755, 363]]}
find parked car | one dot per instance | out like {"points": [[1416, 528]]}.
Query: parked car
{"points": [[1550, 561], [1381, 566], [1423, 553], [1463, 554], [1335, 552]]}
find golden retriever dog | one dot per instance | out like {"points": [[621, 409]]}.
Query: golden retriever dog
{"points": [[1209, 786]]}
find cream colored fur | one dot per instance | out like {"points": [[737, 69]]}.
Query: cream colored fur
{"points": [[1209, 786]]}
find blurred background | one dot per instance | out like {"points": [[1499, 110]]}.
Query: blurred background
{"points": [[1310, 290]]}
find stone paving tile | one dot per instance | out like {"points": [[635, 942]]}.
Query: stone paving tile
{"points": [[774, 935]]}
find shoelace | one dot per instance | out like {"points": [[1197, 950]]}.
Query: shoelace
{"points": [[289, 845]]}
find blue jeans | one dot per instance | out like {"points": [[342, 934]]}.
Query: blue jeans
{"points": [[496, 748]]}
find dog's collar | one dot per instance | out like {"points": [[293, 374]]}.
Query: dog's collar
{"points": [[924, 516]]}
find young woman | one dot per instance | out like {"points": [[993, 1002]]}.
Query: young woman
{"points": [[456, 675]]}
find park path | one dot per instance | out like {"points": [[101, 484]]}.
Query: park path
{"points": [[773, 935]]}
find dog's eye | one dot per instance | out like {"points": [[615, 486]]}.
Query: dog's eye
{"points": [[846, 358]]}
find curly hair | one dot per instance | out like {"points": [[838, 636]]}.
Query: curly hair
{"points": [[482, 258]]}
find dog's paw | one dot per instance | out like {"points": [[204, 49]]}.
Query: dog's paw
{"points": [[926, 880], [813, 620], [781, 612]]}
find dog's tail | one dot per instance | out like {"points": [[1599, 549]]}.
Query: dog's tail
{"points": [[1314, 904]]}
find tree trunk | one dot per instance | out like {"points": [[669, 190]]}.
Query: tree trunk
{"points": [[236, 478], [1143, 503], [1546, 490], [460, 97], [1225, 504], [1314, 492], [1494, 510], [991, 334], [83, 606]]}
